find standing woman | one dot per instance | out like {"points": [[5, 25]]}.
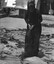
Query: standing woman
{"points": [[33, 19]]}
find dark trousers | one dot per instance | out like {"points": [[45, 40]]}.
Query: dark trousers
{"points": [[32, 41]]}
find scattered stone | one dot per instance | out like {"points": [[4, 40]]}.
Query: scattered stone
{"points": [[52, 35], [40, 54], [7, 51], [1, 47], [3, 40], [52, 40], [33, 60], [52, 56], [3, 62], [12, 43]]}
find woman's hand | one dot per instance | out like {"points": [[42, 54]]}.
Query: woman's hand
{"points": [[30, 26]]}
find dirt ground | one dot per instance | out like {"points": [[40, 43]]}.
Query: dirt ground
{"points": [[12, 39]]}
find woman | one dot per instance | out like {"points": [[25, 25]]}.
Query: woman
{"points": [[33, 19]]}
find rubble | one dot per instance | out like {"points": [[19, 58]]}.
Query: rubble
{"points": [[33, 60], [12, 44]]}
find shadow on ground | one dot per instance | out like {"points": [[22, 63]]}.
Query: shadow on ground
{"points": [[14, 16]]}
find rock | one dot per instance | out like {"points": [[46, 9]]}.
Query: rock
{"points": [[3, 62], [52, 40], [12, 43], [33, 60], [7, 50], [3, 40], [45, 58], [40, 54], [52, 54], [1, 47]]}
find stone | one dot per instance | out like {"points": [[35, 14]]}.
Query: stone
{"points": [[52, 40], [33, 60], [52, 54], [12, 43], [2, 46]]}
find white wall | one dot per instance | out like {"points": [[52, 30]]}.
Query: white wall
{"points": [[37, 4], [10, 3]]}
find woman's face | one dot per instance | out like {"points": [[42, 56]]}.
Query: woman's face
{"points": [[31, 8]]}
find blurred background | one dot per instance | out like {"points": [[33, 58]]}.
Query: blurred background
{"points": [[13, 30], [45, 6]]}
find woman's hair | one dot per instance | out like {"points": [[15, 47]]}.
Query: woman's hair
{"points": [[30, 4]]}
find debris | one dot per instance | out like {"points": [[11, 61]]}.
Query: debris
{"points": [[33, 60]]}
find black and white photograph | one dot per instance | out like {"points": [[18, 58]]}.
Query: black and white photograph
{"points": [[26, 31]]}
